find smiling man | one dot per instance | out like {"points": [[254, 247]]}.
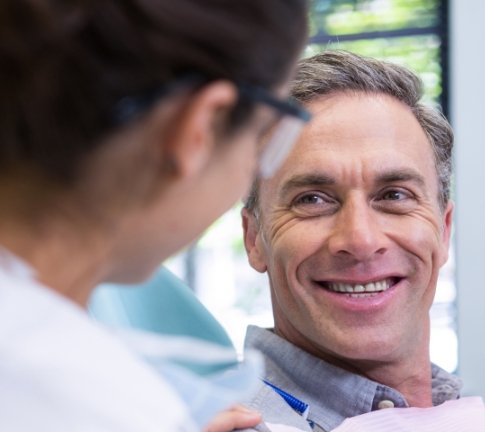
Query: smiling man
{"points": [[352, 232]]}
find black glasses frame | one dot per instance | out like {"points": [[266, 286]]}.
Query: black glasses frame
{"points": [[130, 107], [287, 107]]}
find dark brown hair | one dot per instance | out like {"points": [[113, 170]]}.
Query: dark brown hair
{"points": [[64, 64]]}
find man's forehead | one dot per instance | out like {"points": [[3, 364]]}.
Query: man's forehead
{"points": [[385, 132], [352, 116]]}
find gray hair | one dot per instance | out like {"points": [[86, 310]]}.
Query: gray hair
{"points": [[343, 72]]}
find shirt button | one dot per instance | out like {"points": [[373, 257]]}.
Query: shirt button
{"points": [[383, 404]]}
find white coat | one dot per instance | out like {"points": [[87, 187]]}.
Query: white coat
{"points": [[60, 371]]}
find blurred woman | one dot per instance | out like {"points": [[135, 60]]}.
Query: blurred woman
{"points": [[126, 128]]}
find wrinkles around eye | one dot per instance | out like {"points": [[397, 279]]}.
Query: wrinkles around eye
{"points": [[280, 222]]}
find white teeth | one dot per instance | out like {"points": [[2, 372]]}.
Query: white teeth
{"points": [[382, 285], [371, 287], [359, 288]]}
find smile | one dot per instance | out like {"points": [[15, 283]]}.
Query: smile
{"points": [[360, 289]]}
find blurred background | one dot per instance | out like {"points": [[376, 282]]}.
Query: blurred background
{"points": [[440, 41]]}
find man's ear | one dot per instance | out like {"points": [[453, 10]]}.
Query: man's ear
{"points": [[447, 229], [196, 127], [253, 241]]}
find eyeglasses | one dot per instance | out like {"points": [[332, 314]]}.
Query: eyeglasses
{"points": [[285, 134], [131, 107], [283, 137]]}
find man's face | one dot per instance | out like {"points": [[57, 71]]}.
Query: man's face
{"points": [[351, 233]]}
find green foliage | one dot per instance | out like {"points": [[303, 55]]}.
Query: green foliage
{"points": [[333, 18], [340, 17]]}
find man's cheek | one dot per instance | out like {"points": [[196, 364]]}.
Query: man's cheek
{"points": [[421, 240]]}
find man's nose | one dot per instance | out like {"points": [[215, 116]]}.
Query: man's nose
{"points": [[357, 232]]}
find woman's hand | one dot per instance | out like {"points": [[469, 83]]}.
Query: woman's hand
{"points": [[237, 417]]}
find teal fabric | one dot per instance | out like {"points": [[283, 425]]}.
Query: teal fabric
{"points": [[181, 340], [163, 304]]}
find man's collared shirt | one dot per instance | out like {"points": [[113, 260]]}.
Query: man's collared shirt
{"points": [[333, 394]]}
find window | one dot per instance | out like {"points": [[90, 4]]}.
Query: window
{"points": [[409, 32]]}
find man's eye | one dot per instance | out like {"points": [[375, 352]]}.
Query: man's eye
{"points": [[310, 199], [397, 201], [314, 204], [394, 195]]}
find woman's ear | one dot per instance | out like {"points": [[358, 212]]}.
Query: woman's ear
{"points": [[196, 127]]}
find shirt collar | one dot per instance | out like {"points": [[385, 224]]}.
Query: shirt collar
{"points": [[332, 393], [14, 265]]}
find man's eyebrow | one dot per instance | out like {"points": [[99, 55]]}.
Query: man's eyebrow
{"points": [[303, 180], [388, 176], [400, 175]]}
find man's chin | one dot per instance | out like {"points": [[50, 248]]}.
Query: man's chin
{"points": [[364, 353]]}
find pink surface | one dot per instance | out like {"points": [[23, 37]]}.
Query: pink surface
{"points": [[461, 415]]}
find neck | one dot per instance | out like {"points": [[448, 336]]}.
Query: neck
{"points": [[70, 261], [411, 377], [408, 370]]}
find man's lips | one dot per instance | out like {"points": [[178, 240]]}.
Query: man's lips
{"points": [[360, 289]]}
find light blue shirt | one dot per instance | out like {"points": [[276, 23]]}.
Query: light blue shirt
{"points": [[332, 393]]}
